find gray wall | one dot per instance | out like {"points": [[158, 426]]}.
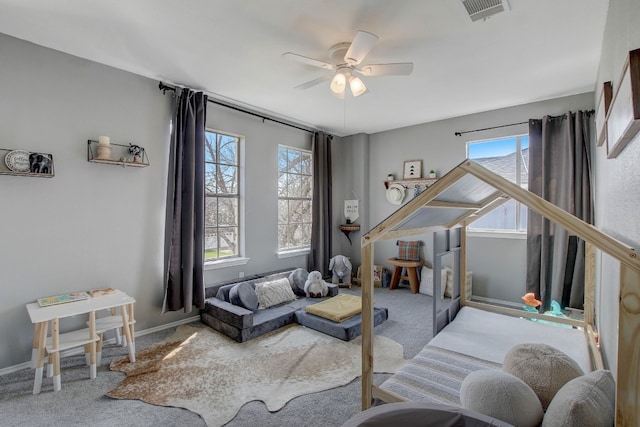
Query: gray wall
{"points": [[95, 225], [616, 180], [498, 264]]}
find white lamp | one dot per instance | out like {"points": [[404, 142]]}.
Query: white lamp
{"points": [[338, 84], [357, 87]]}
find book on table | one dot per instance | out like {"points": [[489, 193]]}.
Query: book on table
{"points": [[61, 299]]}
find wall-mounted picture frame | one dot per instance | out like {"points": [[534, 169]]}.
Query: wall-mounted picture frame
{"points": [[623, 120], [412, 169], [26, 163], [601, 113]]}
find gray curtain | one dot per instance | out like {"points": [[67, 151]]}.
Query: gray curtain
{"points": [[321, 205], [560, 172], [184, 229]]}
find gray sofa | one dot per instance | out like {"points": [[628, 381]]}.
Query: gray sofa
{"points": [[242, 324]]}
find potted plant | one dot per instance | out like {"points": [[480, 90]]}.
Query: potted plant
{"points": [[432, 173]]}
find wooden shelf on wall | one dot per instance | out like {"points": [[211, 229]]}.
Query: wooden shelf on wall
{"points": [[423, 183], [118, 150], [28, 167]]}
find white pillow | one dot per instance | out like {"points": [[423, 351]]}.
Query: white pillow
{"points": [[426, 281], [274, 292], [448, 284], [501, 395], [585, 400]]}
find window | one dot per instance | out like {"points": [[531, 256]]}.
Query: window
{"points": [[509, 158], [221, 235], [295, 192]]}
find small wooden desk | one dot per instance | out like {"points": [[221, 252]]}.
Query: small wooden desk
{"points": [[41, 316]]}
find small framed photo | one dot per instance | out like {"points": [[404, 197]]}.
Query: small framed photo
{"points": [[412, 169]]}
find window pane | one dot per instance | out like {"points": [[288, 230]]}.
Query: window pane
{"points": [[227, 179], [282, 184], [227, 211], [306, 189], [282, 159], [211, 211], [228, 150], [210, 147], [306, 212], [210, 178], [523, 218], [305, 166], [524, 169], [228, 241], [283, 211], [210, 243], [294, 161]]}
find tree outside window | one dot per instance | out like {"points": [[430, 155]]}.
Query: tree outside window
{"points": [[295, 193], [509, 158], [221, 196]]}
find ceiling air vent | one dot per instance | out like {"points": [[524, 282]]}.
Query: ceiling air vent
{"points": [[482, 9]]}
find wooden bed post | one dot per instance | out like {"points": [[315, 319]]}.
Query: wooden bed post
{"points": [[367, 322], [463, 267], [628, 378], [589, 283]]}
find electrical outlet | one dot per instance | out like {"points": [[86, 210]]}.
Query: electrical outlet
{"points": [[241, 274]]}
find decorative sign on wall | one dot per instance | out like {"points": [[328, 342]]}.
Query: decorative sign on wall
{"points": [[412, 169], [26, 163], [351, 211], [623, 120]]}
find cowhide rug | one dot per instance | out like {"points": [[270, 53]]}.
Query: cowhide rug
{"points": [[207, 373]]}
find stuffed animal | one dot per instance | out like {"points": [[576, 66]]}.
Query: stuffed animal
{"points": [[340, 266], [315, 287]]}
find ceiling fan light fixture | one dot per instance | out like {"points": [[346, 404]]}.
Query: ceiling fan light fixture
{"points": [[338, 83], [357, 86]]}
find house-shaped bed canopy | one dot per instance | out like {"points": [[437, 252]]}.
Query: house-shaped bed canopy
{"points": [[465, 194]]}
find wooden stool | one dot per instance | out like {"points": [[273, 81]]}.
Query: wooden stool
{"points": [[412, 272]]}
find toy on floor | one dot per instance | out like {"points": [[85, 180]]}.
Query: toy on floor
{"points": [[531, 303], [340, 266], [315, 287]]}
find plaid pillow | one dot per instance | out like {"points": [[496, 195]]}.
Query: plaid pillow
{"points": [[409, 251]]}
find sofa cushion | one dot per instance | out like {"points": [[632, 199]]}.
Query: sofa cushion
{"points": [[501, 395], [274, 292], [585, 400], [543, 367], [244, 295], [297, 279], [338, 308]]}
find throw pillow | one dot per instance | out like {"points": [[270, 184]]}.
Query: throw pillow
{"points": [[297, 279], [448, 289], [409, 251], [501, 395], [426, 281], [243, 295], [586, 400], [543, 367], [274, 292]]}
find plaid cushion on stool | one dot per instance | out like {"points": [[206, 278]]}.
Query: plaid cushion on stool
{"points": [[409, 251]]}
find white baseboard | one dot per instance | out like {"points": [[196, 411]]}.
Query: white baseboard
{"points": [[79, 350]]}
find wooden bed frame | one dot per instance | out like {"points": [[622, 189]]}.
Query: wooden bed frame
{"points": [[460, 197]]}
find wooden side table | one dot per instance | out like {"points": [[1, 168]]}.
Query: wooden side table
{"points": [[412, 272]]}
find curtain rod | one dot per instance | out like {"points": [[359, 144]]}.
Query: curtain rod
{"points": [[164, 88], [588, 112], [492, 127]]}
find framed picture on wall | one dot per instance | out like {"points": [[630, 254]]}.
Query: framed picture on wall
{"points": [[623, 119], [412, 169]]}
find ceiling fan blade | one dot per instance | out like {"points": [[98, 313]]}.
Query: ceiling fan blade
{"points": [[360, 47], [314, 82], [308, 61], [394, 69]]}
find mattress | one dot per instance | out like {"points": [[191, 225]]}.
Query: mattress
{"points": [[476, 339], [338, 308]]}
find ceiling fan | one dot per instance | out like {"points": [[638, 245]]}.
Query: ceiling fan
{"points": [[346, 60]]}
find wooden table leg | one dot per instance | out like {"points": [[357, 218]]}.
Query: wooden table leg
{"points": [[127, 331], [34, 347], [55, 336], [413, 279], [42, 341], [92, 345], [395, 278]]}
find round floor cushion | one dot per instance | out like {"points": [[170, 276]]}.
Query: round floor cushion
{"points": [[244, 295], [544, 368], [501, 395]]}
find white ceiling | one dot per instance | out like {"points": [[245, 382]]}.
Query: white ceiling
{"points": [[540, 49]]}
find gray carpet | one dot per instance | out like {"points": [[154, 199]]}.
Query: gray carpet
{"points": [[81, 402]]}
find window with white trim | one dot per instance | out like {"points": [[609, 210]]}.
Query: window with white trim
{"points": [[295, 193], [222, 198], [509, 158]]}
